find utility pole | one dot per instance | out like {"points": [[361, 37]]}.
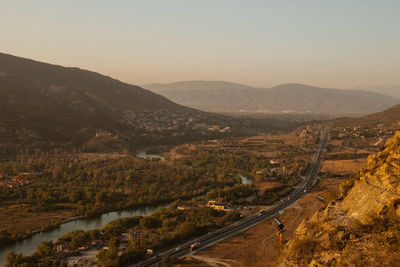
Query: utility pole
{"points": [[281, 229]]}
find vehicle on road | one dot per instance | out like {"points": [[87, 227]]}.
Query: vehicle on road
{"points": [[262, 211], [194, 246]]}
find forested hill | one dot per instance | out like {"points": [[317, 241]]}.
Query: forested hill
{"points": [[232, 97], [43, 104]]}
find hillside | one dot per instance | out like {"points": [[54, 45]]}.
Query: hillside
{"points": [[231, 97], [389, 118], [360, 225], [44, 105]]}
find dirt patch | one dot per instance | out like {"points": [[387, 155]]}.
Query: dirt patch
{"points": [[343, 166], [337, 143], [288, 139], [259, 245], [266, 185]]}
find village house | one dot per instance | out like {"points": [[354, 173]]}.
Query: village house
{"points": [[220, 206], [186, 206]]}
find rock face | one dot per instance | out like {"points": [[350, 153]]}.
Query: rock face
{"points": [[361, 226]]}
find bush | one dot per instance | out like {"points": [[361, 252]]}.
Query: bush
{"points": [[303, 249]]}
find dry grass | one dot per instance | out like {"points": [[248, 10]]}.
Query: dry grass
{"points": [[288, 139], [261, 186], [343, 166], [17, 220]]}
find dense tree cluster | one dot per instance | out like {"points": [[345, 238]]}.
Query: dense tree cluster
{"points": [[95, 186], [234, 195]]}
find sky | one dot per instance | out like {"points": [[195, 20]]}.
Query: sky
{"points": [[338, 44]]}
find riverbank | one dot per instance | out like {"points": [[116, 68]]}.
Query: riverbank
{"points": [[19, 224], [28, 246], [27, 242], [19, 221]]}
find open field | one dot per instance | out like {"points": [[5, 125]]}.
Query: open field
{"points": [[343, 167], [259, 245], [262, 186], [17, 219], [288, 139]]}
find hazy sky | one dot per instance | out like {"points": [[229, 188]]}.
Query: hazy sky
{"points": [[340, 43]]}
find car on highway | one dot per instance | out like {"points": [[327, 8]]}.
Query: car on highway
{"points": [[261, 212], [194, 246]]}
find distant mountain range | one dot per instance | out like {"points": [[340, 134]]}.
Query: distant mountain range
{"points": [[231, 97], [43, 104]]}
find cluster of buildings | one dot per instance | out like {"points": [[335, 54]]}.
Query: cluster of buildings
{"points": [[212, 204], [220, 205], [158, 121], [308, 132], [15, 181], [187, 206], [217, 128], [378, 133]]}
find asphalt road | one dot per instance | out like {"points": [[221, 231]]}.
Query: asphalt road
{"points": [[214, 237]]}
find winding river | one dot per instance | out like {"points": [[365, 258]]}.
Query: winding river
{"points": [[29, 245]]}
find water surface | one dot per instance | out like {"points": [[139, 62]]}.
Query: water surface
{"points": [[29, 245]]}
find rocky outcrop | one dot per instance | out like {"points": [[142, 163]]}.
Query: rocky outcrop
{"points": [[361, 226]]}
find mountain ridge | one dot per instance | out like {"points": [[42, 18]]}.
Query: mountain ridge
{"points": [[43, 103], [294, 97]]}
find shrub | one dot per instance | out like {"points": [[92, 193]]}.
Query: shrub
{"points": [[346, 186], [303, 249]]}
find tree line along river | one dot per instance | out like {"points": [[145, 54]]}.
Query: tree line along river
{"points": [[28, 246]]}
